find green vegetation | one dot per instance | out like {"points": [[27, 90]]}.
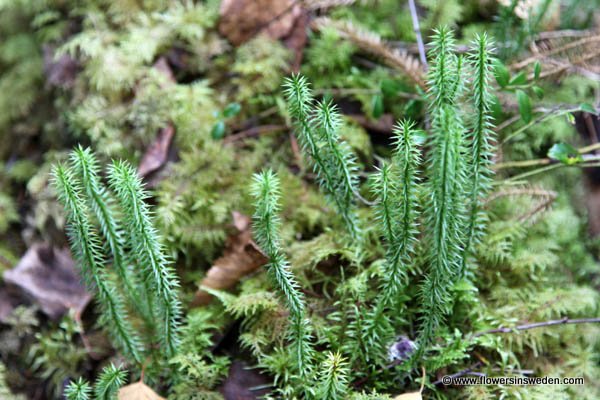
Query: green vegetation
{"points": [[298, 203]]}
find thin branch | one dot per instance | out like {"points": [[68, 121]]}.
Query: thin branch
{"points": [[527, 191], [417, 29], [534, 325], [565, 33], [466, 371], [557, 50], [254, 131]]}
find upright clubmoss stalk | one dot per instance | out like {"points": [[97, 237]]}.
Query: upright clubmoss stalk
{"points": [[88, 250], [395, 185], [340, 160], [481, 151], [445, 214], [86, 166], [317, 128], [145, 244], [78, 390], [333, 383], [398, 207], [109, 382], [266, 192]]}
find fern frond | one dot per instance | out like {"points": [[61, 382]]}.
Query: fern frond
{"points": [[109, 381], [88, 250], [445, 209], [333, 383], [481, 151], [86, 166], [78, 390], [266, 192], [332, 160], [145, 243]]}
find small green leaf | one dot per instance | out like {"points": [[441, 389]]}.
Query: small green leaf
{"points": [[389, 87], [519, 79], [231, 110], [377, 106], [524, 106], [496, 107], [502, 74], [218, 130], [571, 118], [588, 108], [537, 68], [565, 153], [538, 91]]}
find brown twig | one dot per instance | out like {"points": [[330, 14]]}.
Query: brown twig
{"points": [[253, 132]]}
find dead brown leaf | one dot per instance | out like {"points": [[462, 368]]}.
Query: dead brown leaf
{"points": [[9, 300], [241, 20], [297, 39], [241, 257], [242, 383], [48, 276], [59, 71], [157, 153], [138, 391]]}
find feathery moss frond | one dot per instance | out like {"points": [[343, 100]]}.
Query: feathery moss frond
{"points": [[78, 390], [266, 192], [88, 250], [481, 151], [333, 383], [109, 381], [145, 243], [333, 162]]}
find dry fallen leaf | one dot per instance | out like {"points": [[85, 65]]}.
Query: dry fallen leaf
{"points": [[9, 300], [241, 20], [409, 396], [157, 153], [243, 381], [297, 39], [241, 257], [138, 391], [59, 71], [48, 276]]}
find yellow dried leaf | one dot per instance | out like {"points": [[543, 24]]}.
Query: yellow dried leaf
{"points": [[138, 391], [409, 396]]}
